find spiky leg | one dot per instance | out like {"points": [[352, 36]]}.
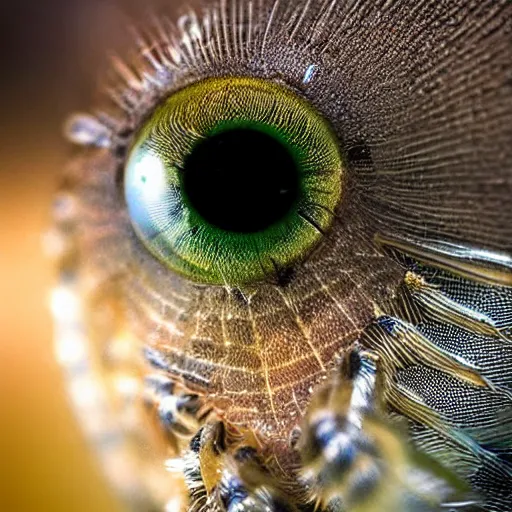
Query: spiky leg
{"points": [[179, 413], [225, 473], [355, 459], [222, 468]]}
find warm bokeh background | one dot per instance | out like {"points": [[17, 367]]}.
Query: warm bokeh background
{"points": [[52, 53]]}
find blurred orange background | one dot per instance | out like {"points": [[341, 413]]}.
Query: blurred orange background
{"points": [[52, 52]]}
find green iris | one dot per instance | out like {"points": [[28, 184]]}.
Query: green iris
{"points": [[231, 179]]}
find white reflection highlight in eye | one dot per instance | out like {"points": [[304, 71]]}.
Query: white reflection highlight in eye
{"points": [[149, 178]]}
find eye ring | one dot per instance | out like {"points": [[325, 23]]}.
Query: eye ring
{"points": [[231, 177]]}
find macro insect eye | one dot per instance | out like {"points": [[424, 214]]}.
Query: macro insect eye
{"points": [[309, 260], [231, 178]]}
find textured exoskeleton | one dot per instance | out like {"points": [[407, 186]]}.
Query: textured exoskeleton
{"points": [[375, 372]]}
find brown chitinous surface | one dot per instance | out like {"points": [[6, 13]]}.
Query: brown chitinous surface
{"points": [[425, 158]]}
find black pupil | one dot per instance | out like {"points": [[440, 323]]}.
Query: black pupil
{"points": [[241, 180]]}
